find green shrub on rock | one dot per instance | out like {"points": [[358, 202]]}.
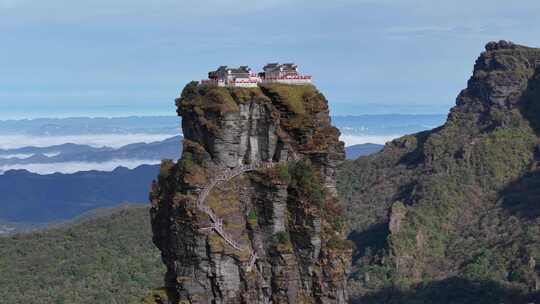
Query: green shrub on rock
{"points": [[281, 238], [305, 179]]}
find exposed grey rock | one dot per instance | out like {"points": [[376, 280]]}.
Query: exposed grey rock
{"points": [[262, 211]]}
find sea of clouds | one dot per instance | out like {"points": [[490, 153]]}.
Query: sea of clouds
{"points": [[116, 141], [94, 140], [18, 155]]}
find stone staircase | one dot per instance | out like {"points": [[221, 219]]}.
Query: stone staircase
{"points": [[217, 223]]}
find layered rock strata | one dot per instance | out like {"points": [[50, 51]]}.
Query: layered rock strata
{"points": [[249, 214]]}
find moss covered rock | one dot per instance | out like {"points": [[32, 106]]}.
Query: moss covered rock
{"points": [[280, 237]]}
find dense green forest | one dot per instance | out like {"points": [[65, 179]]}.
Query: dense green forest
{"points": [[103, 259], [450, 215]]}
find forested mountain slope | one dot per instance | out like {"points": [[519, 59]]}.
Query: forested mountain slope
{"points": [[451, 215], [108, 258]]}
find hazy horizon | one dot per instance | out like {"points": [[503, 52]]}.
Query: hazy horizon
{"points": [[60, 116], [38, 145], [148, 109], [109, 58]]}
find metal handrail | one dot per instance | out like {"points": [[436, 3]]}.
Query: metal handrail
{"points": [[217, 223]]}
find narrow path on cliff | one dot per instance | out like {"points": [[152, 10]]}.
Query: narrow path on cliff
{"points": [[217, 223]]}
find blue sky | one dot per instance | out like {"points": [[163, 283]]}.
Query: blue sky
{"points": [[119, 57]]}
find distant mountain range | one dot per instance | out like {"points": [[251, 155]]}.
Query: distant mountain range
{"points": [[34, 198], [29, 199], [355, 151], [168, 148]]}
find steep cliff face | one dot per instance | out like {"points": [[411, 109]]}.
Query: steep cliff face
{"points": [[451, 215], [250, 214]]}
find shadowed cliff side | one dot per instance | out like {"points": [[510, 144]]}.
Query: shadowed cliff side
{"points": [[457, 204], [250, 212]]}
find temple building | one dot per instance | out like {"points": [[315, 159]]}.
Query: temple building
{"points": [[242, 76], [232, 77], [276, 70]]}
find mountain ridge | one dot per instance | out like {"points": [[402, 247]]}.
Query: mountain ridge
{"points": [[168, 148], [30, 197], [454, 208]]}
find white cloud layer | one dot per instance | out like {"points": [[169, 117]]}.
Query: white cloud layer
{"points": [[365, 139], [72, 167], [20, 155], [94, 140]]}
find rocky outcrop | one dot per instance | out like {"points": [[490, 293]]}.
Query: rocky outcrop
{"points": [[456, 208], [249, 214]]}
